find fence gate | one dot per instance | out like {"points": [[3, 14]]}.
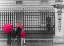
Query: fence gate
{"points": [[39, 24]]}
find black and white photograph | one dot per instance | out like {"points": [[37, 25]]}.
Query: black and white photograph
{"points": [[31, 22]]}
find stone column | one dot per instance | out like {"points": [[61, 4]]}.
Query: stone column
{"points": [[59, 26]]}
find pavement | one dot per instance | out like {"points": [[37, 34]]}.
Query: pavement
{"points": [[33, 43]]}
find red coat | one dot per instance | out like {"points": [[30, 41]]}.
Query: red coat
{"points": [[23, 34]]}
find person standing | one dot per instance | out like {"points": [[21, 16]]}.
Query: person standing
{"points": [[7, 29], [18, 31]]}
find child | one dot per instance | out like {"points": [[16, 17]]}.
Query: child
{"points": [[23, 34]]}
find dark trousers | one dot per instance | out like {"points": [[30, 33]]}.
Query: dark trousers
{"points": [[9, 39], [14, 34], [18, 40]]}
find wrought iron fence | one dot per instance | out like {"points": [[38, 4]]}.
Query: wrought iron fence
{"points": [[37, 23]]}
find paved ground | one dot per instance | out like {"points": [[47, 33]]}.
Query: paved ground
{"points": [[34, 43]]}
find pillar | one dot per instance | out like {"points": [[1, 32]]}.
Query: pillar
{"points": [[59, 27]]}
